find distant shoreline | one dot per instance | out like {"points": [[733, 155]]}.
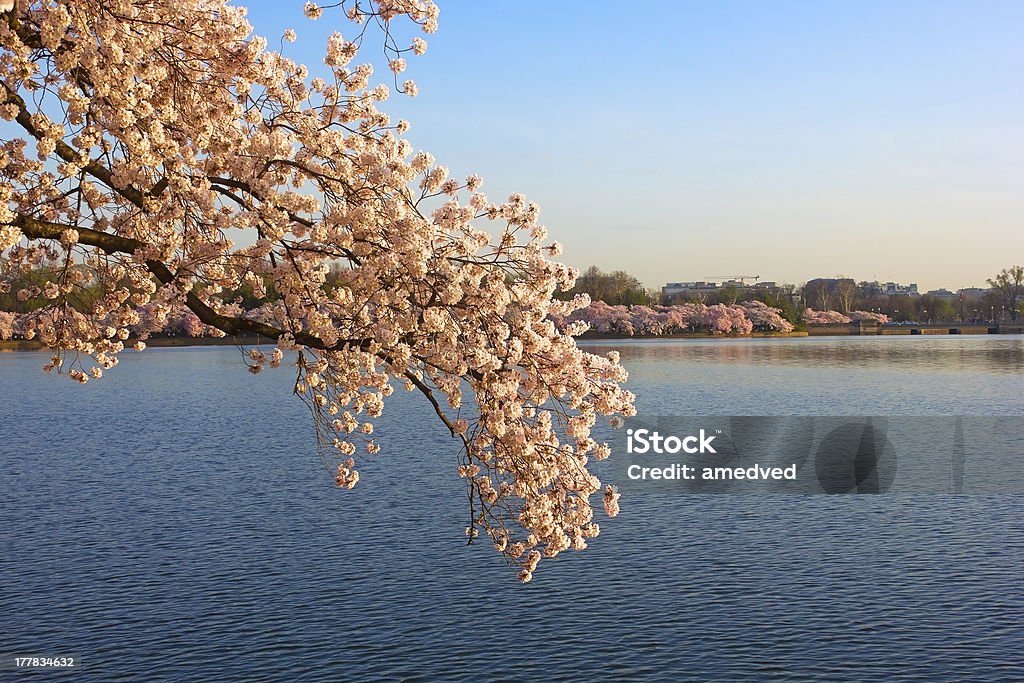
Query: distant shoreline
{"points": [[184, 342]]}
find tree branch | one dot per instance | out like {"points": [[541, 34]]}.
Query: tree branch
{"points": [[35, 228]]}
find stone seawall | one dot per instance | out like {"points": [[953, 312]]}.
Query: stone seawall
{"points": [[872, 328]]}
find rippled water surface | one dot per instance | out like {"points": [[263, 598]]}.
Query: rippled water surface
{"points": [[173, 522]]}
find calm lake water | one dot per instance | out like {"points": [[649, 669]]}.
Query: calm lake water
{"points": [[173, 522]]}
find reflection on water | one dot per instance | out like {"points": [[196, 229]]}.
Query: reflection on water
{"points": [[173, 522], [982, 375], [951, 353]]}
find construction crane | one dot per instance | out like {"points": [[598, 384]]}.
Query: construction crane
{"points": [[741, 278]]}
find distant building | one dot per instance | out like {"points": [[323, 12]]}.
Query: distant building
{"points": [[873, 289], [943, 294], [682, 290], [826, 293], [677, 292], [972, 293], [896, 289]]}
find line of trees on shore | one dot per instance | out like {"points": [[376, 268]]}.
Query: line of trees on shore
{"points": [[641, 320], [619, 288], [689, 318], [619, 305], [1003, 301]]}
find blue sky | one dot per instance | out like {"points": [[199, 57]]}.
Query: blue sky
{"points": [[681, 139]]}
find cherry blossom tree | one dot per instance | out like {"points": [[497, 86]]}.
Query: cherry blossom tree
{"points": [[1008, 285], [646, 320], [726, 319], [671, 319], [165, 155], [812, 317], [156, 317], [620, 319], [868, 316], [693, 314], [764, 317], [6, 325]]}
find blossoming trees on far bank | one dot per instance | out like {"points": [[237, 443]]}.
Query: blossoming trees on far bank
{"points": [[868, 316], [723, 319], [764, 317], [165, 155], [678, 319], [693, 317], [812, 317]]}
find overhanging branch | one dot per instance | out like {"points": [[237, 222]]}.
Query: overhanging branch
{"points": [[35, 228]]}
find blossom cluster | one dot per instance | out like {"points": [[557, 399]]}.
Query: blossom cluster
{"points": [[168, 156]]}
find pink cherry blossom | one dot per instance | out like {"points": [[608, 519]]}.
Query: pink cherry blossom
{"points": [[167, 155]]}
